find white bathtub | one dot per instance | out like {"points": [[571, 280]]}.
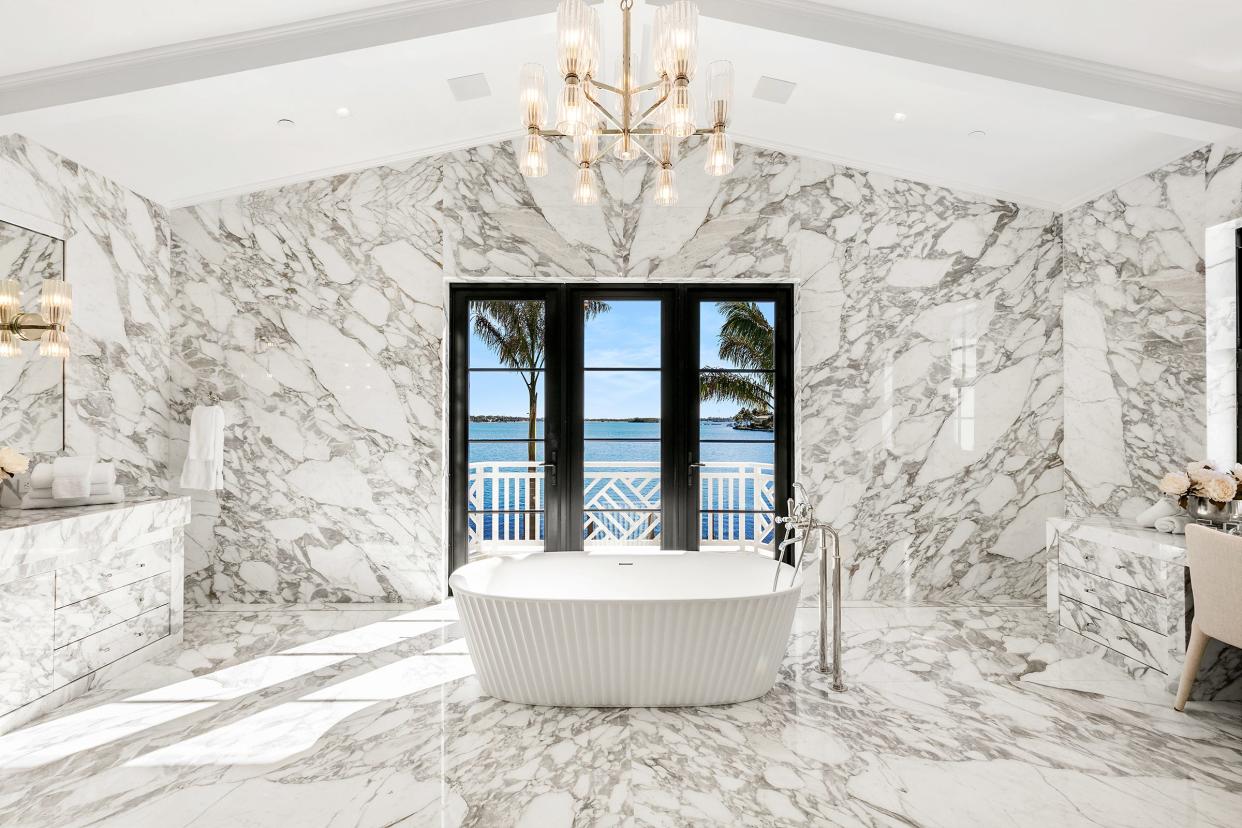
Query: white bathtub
{"points": [[665, 629]]}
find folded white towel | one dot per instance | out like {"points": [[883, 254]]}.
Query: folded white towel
{"points": [[45, 493], [102, 474], [116, 495], [71, 477], [1161, 508], [204, 460], [1172, 524]]}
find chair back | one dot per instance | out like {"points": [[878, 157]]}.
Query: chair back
{"points": [[1216, 580]]}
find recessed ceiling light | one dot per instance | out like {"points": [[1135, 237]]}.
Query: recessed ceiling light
{"points": [[977, 133], [899, 116], [285, 123], [469, 87], [342, 112], [774, 89]]}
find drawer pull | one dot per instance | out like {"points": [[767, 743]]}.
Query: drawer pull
{"points": [[1089, 590]]}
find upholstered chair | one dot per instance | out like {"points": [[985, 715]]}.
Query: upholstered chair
{"points": [[1216, 579]]}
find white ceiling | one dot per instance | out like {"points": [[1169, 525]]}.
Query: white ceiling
{"points": [[190, 141]]}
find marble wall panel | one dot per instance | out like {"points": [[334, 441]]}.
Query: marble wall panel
{"points": [[930, 372], [314, 315], [117, 259], [1134, 316]]}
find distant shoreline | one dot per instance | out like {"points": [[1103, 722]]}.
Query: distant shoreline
{"points": [[506, 418]]}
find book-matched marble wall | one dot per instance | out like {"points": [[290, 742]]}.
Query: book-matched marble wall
{"points": [[314, 315], [928, 357], [1136, 395], [117, 260]]}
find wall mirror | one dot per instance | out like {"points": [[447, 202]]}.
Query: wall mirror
{"points": [[32, 389]]}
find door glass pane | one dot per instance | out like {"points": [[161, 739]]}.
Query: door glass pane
{"points": [[737, 406], [737, 335], [507, 333], [621, 492], [506, 486], [621, 333]]}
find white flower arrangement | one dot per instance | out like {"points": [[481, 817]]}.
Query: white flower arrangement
{"points": [[1202, 479], [12, 462]]}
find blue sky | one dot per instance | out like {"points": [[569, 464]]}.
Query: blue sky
{"points": [[626, 336]]}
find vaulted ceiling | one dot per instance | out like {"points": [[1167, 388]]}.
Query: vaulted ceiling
{"points": [[180, 99]]}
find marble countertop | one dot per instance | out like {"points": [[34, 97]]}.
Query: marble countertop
{"points": [[1124, 534], [25, 518], [37, 540]]}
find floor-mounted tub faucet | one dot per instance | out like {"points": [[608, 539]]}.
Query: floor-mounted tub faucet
{"points": [[800, 524]]}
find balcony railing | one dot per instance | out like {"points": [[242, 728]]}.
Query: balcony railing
{"points": [[621, 506]]}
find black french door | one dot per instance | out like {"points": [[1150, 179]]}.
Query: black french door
{"points": [[600, 416]]}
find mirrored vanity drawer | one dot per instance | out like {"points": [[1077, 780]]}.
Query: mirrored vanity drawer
{"points": [[88, 654], [90, 578], [91, 615], [1126, 602], [1145, 573], [1131, 640]]}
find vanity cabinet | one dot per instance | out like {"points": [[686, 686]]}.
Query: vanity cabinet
{"points": [[85, 592], [1122, 598]]}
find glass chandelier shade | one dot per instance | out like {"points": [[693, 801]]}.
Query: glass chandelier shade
{"points": [[626, 148], [571, 108], [586, 188], [533, 96], [719, 154], [532, 156], [680, 122], [666, 188], [10, 300], [719, 92], [9, 346], [56, 302], [586, 145], [577, 39], [677, 39], [54, 344]]}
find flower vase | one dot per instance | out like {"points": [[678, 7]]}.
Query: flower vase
{"points": [[1202, 509]]}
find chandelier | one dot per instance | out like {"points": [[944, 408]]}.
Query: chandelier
{"points": [[583, 118]]}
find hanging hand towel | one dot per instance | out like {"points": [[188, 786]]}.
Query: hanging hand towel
{"points": [[1161, 508], [204, 461], [102, 474], [71, 477]]}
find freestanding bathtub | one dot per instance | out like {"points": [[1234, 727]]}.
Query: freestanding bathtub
{"points": [[591, 629]]}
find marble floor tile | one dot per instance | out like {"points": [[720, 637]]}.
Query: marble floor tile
{"points": [[342, 717]]}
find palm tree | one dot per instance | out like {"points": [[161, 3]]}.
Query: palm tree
{"points": [[514, 331], [746, 341]]}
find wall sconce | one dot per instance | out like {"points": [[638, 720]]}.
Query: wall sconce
{"points": [[55, 306]]}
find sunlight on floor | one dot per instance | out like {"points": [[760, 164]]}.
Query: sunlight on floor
{"points": [[268, 735]]}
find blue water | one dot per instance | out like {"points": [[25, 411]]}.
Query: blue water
{"points": [[614, 446]]}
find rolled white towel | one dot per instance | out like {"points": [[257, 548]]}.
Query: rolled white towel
{"points": [[1172, 524], [71, 477], [102, 474], [1161, 508], [45, 493], [116, 495]]}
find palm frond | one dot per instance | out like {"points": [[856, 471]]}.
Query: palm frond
{"points": [[754, 391], [746, 337]]}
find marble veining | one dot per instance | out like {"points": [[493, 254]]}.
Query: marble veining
{"points": [[953, 718], [117, 259], [314, 314], [26, 654]]}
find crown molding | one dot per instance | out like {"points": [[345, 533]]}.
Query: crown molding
{"points": [[1018, 64], [412, 19], [241, 51]]}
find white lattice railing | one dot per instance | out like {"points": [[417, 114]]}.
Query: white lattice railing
{"points": [[621, 505]]}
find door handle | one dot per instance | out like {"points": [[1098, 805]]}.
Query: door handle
{"points": [[549, 473], [690, 477]]}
